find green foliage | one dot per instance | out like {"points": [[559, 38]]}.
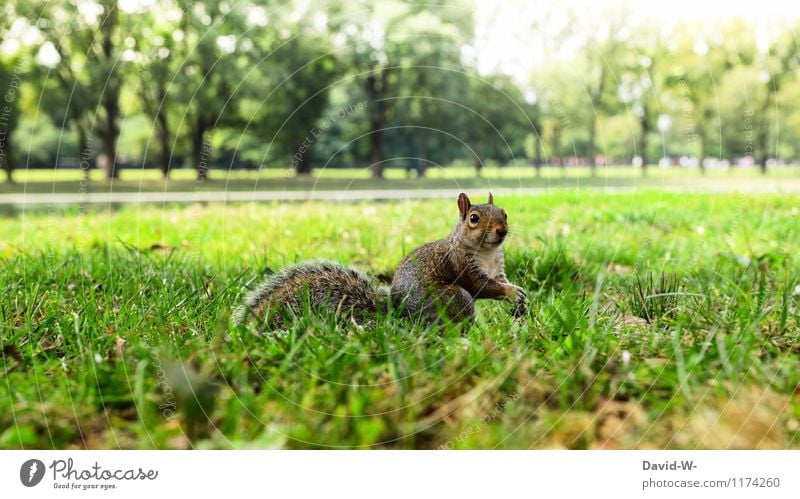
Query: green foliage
{"points": [[251, 84], [288, 97], [10, 90]]}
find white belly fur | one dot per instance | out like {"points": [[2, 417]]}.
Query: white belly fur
{"points": [[490, 260]]}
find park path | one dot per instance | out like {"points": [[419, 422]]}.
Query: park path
{"points": [[365, 194]]}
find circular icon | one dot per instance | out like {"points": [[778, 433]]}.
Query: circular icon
{"points": [[31, 472]]}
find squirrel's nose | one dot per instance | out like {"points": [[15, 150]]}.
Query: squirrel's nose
{"points": [[502, 232]]}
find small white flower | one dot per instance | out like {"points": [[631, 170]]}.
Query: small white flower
{"points": [[796, 291], [700, 230], [626, 357]]}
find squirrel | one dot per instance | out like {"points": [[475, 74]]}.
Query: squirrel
{"points": [[442, 277], [448, 275]]}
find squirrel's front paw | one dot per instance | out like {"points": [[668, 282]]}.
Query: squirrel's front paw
{"points": [[517, 296]]}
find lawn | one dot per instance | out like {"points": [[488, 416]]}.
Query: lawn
{"points": [[451, 177], [655, 321]]}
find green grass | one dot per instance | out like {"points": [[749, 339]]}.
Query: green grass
{"points": [[69, 181], [115, 329]]}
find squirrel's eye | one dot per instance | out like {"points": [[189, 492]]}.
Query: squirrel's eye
{"points": [[474, 218], [505, 215]]}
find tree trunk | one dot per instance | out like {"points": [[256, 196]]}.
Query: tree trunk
{"points": [[555, 150], [163, 132], [200, 151], [702, 153], [164, 156], [376, 88], [478, 162], [644, 125], [84, 152], [107, 160], [538, 160], [596, 99], [110, 98], [762, 137], [376, 149], [302, 160], [762, 162], [422, 163], [591, 151], [6, 156]]}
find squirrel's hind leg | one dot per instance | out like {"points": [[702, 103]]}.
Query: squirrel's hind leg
{"points": [[451, 302]]}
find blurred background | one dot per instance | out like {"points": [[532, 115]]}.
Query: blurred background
{"points": [[144, 90]]}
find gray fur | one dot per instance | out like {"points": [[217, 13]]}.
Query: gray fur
{"points": [[329, 286]]}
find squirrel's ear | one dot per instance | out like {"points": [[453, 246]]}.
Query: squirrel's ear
{"points": [[463, 205], [491, 199]]}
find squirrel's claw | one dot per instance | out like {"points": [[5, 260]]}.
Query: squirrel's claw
{"points": [[519, 299]]}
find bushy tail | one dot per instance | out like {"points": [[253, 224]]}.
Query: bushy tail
{"points": [[324, 286]]}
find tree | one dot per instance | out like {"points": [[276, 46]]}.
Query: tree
{"points": [[67, 109], [9, 102], [431, 85], [534, 140], [500, 122], [601, 44], [82, 50], [777, 66], [211, 67], [157, 66], [693, 86], [742, 95], [788, 104], [288, 94], [9, 113], [693, 67], [640, 86], [382, 42], [561, 99], [105, 69]]}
